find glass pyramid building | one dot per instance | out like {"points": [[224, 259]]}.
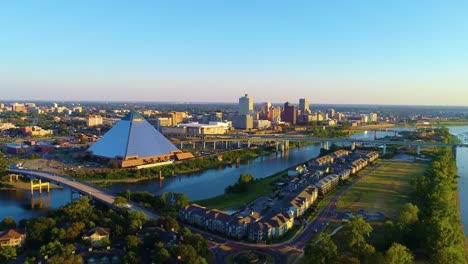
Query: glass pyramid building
{"points": [[133, 142]]}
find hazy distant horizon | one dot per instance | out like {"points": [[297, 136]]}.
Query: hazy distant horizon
{"points": [[218, 102], [359, 52]]}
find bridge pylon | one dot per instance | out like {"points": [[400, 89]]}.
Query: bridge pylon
{"points": [[39, 186]]}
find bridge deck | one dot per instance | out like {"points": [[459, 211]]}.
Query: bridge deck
{"points": [[81, 187]]}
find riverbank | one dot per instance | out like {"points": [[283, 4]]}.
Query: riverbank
{"points": [[19, 185], [194, 165], [261, 187]]}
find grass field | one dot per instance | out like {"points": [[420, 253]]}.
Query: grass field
{"points": [[262, 187], [385, 190]]}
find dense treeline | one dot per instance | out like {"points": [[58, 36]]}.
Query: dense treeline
{"points": [[167, 203], [440, 226], [431, 229], [196, 164], [58, 236]]}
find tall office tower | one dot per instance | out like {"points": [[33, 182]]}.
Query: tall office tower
{"points": [[290, 113], [265, 107], [275, 114], [245, 105], [339, 116], [304, 105], [373, 117], [94, 120], [331, 113]]}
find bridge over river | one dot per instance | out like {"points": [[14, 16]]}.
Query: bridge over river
{"points": [[83, 188], [282, 141]]}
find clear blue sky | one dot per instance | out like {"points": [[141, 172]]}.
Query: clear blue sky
{"points": [[334, 51]]}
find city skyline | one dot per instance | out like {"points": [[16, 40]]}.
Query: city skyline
{"points": [[396, 53]]}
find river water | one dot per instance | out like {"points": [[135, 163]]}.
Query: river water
{"points": [[210, 183], [206, 184]]}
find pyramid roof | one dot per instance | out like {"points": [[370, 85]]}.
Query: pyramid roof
{"points": [[132, 136]]}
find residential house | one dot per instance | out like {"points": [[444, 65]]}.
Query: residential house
{"points": [[95, 235], [12, 238]]}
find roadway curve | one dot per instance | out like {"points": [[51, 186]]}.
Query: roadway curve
{"points": [[83, 188]]}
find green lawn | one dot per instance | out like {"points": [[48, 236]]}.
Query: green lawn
{"points": [[385, 190], [262, 187]]}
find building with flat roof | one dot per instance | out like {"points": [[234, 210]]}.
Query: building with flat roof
{"points": [[94, 120], [304, 105], [246, 105], [133, 142], [196, 129], [290, 113]]}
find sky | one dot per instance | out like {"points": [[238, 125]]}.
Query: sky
{"points": [[332, 52]]}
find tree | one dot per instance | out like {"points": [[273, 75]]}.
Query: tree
{"points": [[168, 223], [408, 215], [39, 230], [120, 201], [136, 220], [133, 243], [162, 256], [398, 254], [356, 230], [7, 253], [7, 223], [245, 178], [3, 164], [198, 243], [131, 258], [321, 250], [74, 231], [51, 248], [105, 242], [187, 254], [79, 210], [66, 256]]}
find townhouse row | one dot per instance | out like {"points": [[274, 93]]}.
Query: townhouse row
{"points": [[254, 226]]}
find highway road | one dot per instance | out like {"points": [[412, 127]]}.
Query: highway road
{"points": [[84, 188]]}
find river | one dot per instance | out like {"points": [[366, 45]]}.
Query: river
{"points": [[212, 182], [206, 184]]}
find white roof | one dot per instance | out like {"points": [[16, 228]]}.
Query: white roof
{"points": [[132, 136]]}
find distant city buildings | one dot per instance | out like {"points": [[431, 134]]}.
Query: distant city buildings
{"points": [[290, 113], [242, 122], [196, 129], [275, 114], [16, 107], [93, 120], [35, 131], [246, 105], [304, 106]]}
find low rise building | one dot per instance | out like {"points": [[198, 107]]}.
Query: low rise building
{"points": [[302, 201], [35, 131], [328, 183], [327, 159], [196, 129], [12, 238], [17, 148], [95, 235]]}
